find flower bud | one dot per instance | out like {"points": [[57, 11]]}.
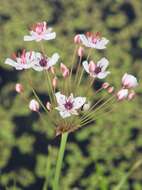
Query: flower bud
{"points": [[110, 89], [48, 106], [131, 95], [80, 51], [122, 94], [19, 88], [54, 82], [86, 106], [34, 105], [129, 81], [52, 69], [77, 39], [105, 85], [64, 70]]}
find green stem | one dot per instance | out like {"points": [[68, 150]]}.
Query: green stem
{"points": [[59, 161]]}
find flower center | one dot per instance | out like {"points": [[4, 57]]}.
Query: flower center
{"points": [[43, 62], [98, 70], [68, 105]]}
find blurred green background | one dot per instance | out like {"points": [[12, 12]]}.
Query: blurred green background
{"points": [[98, 157]]}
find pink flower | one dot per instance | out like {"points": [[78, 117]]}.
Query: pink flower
{"points": [[68, 106], [43, 62], [97, 70], [129, 81], [34, 105], [39, 32], [19, 88], [93, 40], [24, 61], [64, 70], [105, 85], [122, 94]]}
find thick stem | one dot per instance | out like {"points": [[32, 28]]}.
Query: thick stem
{"points": [[59, 161]]}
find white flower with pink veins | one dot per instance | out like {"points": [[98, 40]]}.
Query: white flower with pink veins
{"points": [[24, 61], [129, 81], [39, 32], [43, 62], [93, 40], [97, 70], [68, 106]]}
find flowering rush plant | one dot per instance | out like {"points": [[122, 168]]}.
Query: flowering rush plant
{"points": [[69, 108]]}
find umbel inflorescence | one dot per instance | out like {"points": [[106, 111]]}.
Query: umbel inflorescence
{"points": [[67, 109]]}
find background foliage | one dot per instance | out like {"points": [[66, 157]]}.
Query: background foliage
{"points": [[98, 156]]}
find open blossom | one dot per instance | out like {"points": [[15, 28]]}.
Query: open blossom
{"points": [[43, 62], [93, 40], [129, 81], [68, 106], [39, 32], [97, 70], [24, 61], [122, 94], [34, 105]]}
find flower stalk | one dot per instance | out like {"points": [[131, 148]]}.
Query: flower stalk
{"points": [[59, 161]]}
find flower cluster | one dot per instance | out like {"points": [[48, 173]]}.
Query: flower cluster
{"points": [[68, 109]]}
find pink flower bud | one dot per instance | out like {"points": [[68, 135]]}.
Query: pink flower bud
{"points": [[92, 66], [105, 85], [54, 82], [122, 94], [80, 51], [19, 88], [77, 39], [110, 89], [34, 105], [64, 70], [129, 81], [52, 69], [131, 95], [48, 106]]}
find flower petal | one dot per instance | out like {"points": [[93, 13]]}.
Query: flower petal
{"points": [[78, 102], [64, 114], [102, 75], [29, 38], [103, 63], [86, 66], [84, 40], [61, 99], [53, 59], [49, 36], [11, 62]]}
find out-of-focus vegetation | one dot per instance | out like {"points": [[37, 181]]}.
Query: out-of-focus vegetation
{"points": [[98, 156]]}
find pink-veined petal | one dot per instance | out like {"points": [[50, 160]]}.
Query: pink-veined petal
{"points": [[103, 63], [78, 102], [102, 75], [61, 99]]}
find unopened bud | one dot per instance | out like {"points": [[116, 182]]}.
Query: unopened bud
{"points": [[80, 51], [131, 95], [122, 94], [19, 88], [48, 106], [54, 82], [77, 39], [110, 89], [34, 105], [64, 70], [52, 69], [105, 85], [86, 106]]}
